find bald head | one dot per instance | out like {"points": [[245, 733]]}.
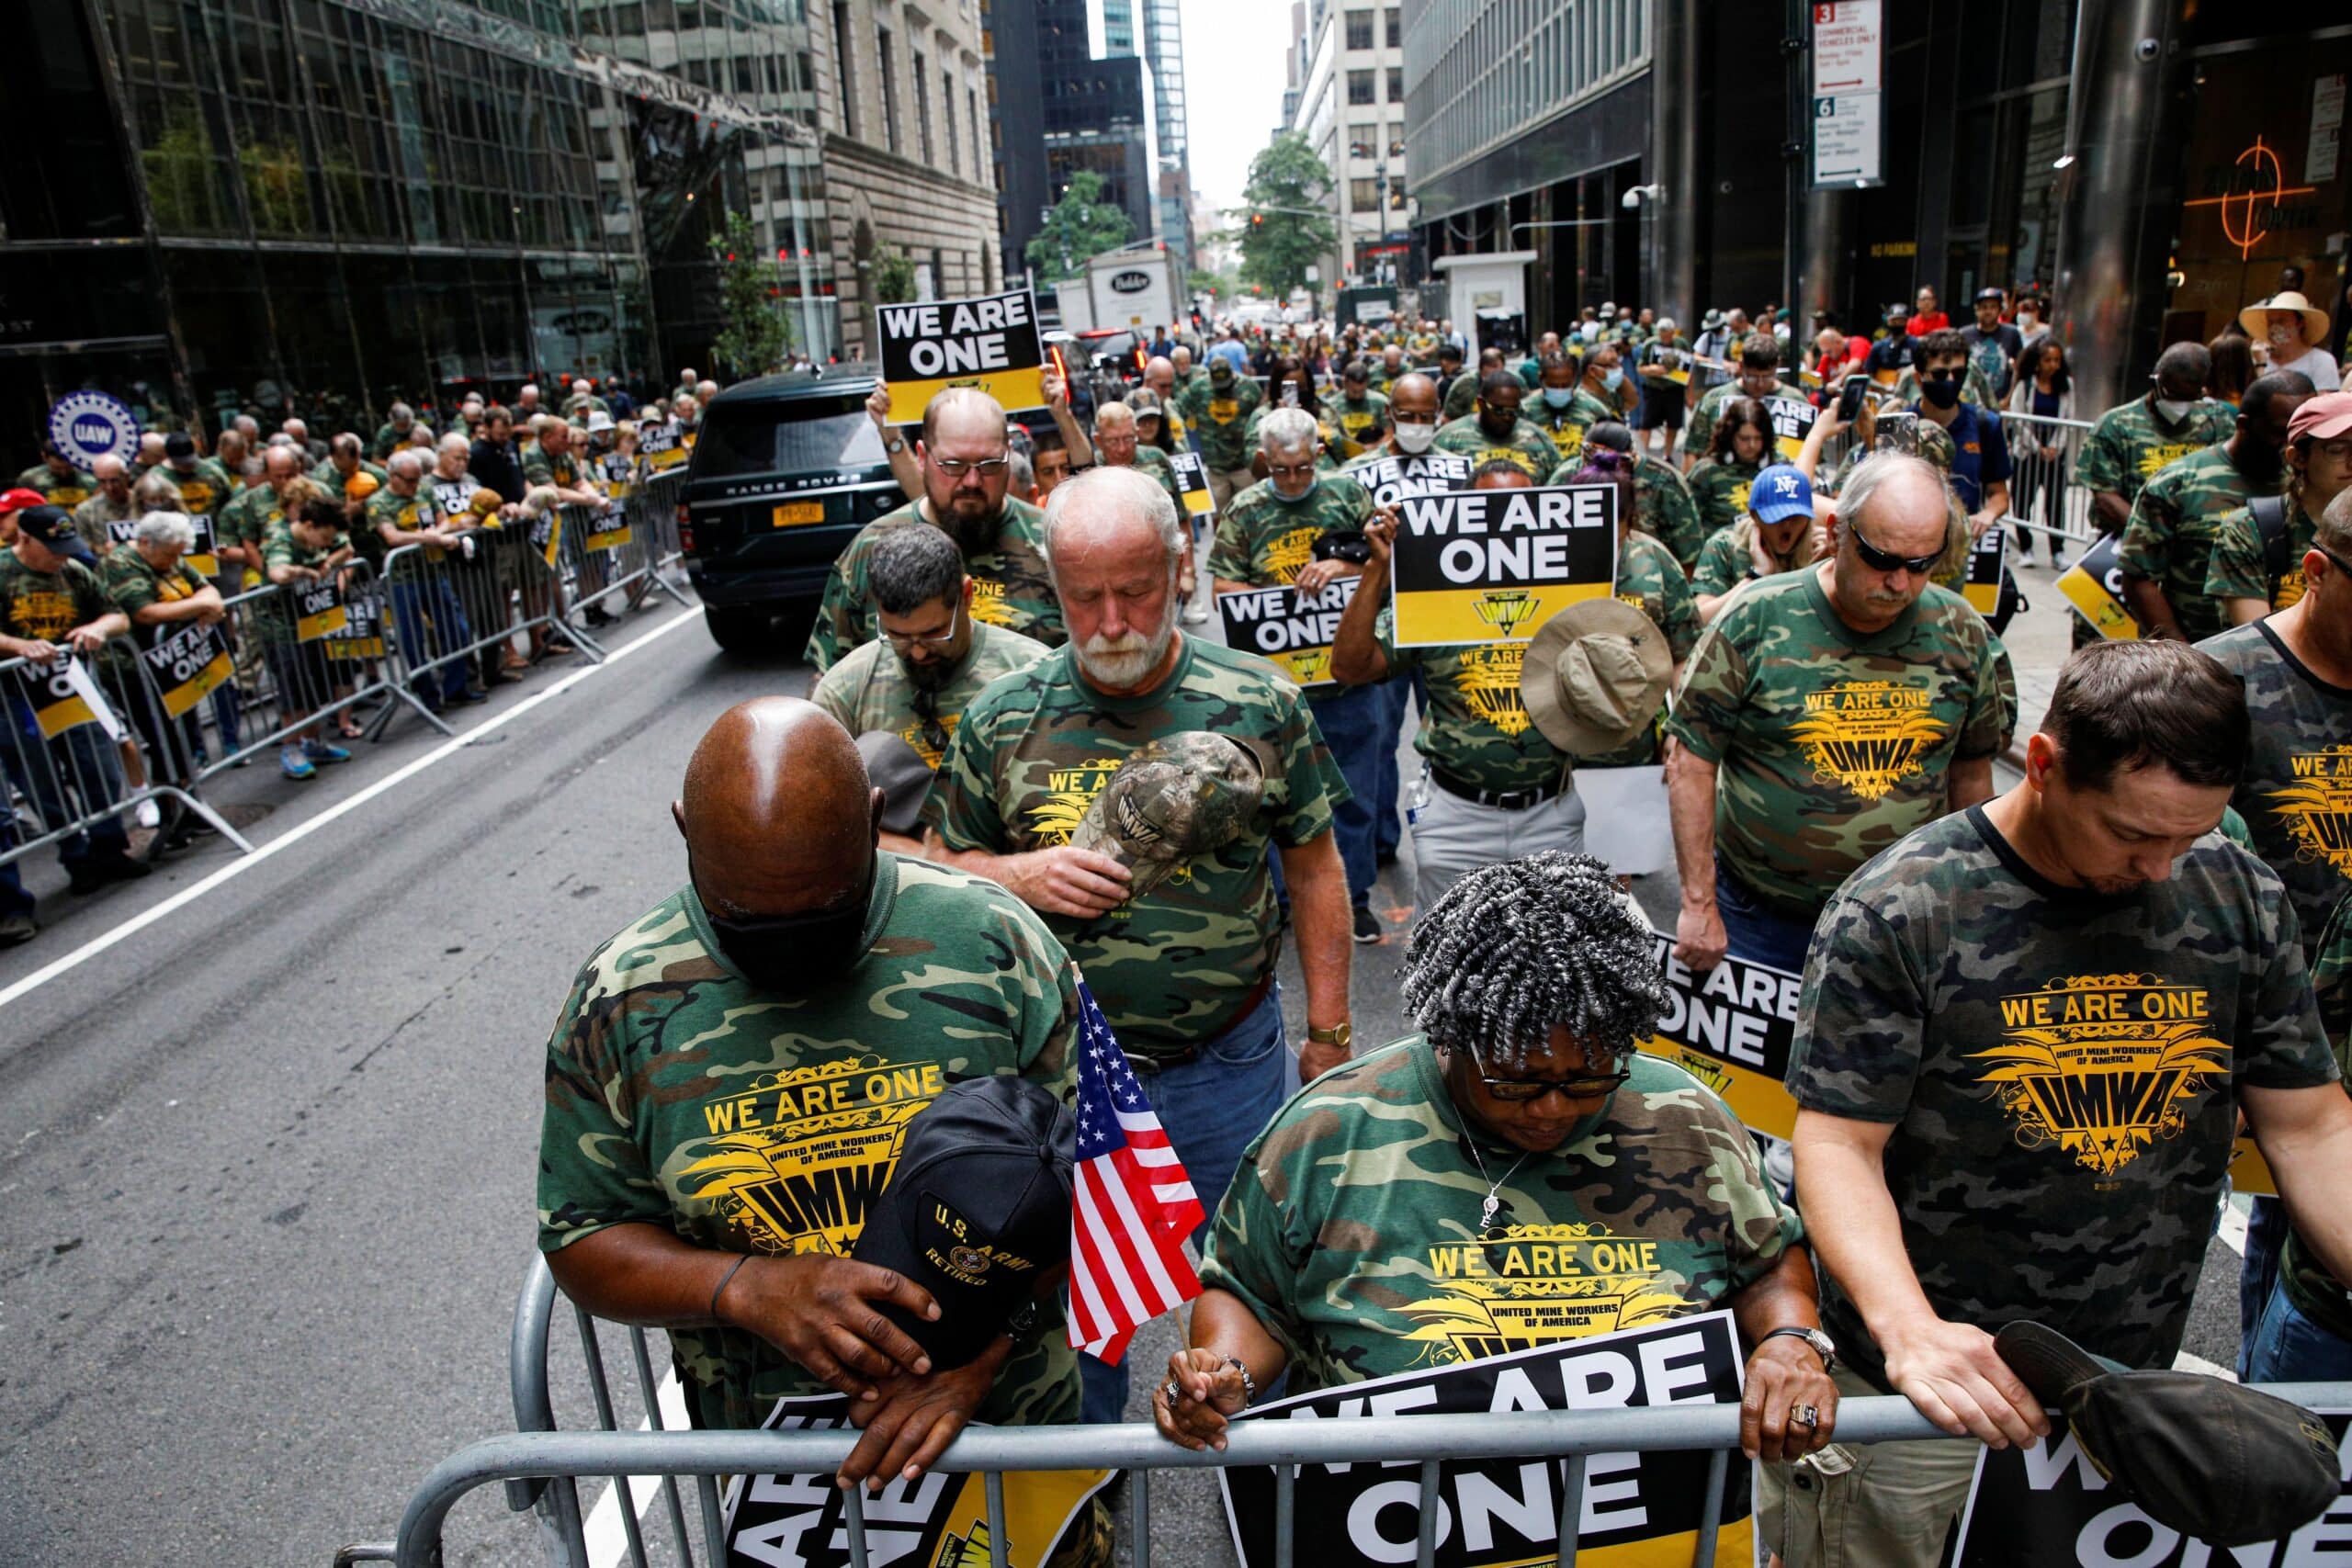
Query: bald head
{"points": [[777, 813]]}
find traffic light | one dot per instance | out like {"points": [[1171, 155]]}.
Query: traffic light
{"points": [[1257, 220]]}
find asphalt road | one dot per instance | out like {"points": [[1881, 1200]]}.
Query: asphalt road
{"points": [[267, 1158]]}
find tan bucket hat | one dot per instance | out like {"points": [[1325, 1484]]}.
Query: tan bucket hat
{"points": [[1595, 675], [2314, 320]]}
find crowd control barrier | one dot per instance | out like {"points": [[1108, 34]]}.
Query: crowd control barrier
{"points": [[540, 1465], [617, 557], [2043, 497]]}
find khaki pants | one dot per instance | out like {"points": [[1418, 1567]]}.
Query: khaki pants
{"points": [[1454, 837], [1226, 483], [1876, 1506]]}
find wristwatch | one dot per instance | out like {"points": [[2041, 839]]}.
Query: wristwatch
{"points": [[1823, 1346], [896, 445], [1340, 1034]]}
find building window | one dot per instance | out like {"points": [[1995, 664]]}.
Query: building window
{"points": [[845, 69], [889, 85], [1397, 139], [922, 109], [1363, 140], [1360, 30], [1395, 28], [1362, 194], [1396, 84], [948, 113], [1359, 87]]}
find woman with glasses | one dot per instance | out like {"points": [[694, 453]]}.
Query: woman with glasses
{"points": [[1517, 1173]]}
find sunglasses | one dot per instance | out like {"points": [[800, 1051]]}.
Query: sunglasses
{"points": [[956, 467], [1887, 560], [1517, 1091]]}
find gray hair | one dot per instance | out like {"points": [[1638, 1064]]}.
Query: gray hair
{"points": [[1287, 430], [1020, 473], [1117, 415], [454, 441], [1123, 492], [1518, 947], [170, 529], [400, 411], [912, 566], [407, 463], [1875, 471], [157, 492]]}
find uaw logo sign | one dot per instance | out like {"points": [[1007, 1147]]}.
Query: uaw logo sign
{"points": [[89, 424], [2102, 1066]]}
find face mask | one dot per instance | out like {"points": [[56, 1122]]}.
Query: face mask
{"points": [[1613, 379], [2280, 336], [1559, 397], [1290, 500], [2026, 323], [794, 957], [2172, 410], [1943, 391], [1415, 438]]}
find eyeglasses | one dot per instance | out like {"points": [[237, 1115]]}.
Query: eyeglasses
{"points": [[1289, 471], [2338, 562], [904, 642], [1516, 1091], [956, 467], [1887, 560]]}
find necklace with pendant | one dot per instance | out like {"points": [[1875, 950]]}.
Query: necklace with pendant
{"points": [[1494, 1202]]}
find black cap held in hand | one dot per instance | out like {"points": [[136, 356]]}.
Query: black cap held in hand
{"points": [[977, 1211], [2225, 1464]]}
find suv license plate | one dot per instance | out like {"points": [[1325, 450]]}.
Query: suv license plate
{"points": [[796, 512]]}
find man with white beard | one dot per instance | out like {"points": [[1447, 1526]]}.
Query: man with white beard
{"points": [[1183, 964]]}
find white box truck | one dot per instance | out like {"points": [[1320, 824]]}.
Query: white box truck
{"points": [[1135, 288]]}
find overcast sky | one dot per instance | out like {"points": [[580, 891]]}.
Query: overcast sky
{"points": [[1233, 89]]}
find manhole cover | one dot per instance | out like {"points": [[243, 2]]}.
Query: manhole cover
{"points": [[242, 815]]}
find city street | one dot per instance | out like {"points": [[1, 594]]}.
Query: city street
{"points": [[267, 1161]]}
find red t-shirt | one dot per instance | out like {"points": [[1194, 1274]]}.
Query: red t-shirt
{"points": [[1934, 323]]}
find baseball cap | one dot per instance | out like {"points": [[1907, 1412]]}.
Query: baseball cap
{"points": [[1990, 292], [898, 770], [53, 527], [20, 498], [2227, 1464], [1181, 795], [1142, 401], [179, 447], [1611, 433], [1780, 492], [977, 1210], [2323, 418]]}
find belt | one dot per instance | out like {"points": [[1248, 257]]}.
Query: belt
{"points": [[1160, 1061], [1501, 799]]}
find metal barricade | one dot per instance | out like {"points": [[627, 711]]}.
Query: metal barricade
{"points": [[612, 559], [457, 611], [539, 1464], [2042, 497], [89, 740], [305, 653]]}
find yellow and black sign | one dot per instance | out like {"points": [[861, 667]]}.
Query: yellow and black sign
{"points": [[318, 609], [1791, 422], [608, 531], [1493, 565], [362, 632], [1983, 589], [1390, 479], [203, 556], [1293, 631], [1731, 1029], [185, 665], [57, 699], [1193, 478], [658, 445], [989, 343], [2094, 586]]}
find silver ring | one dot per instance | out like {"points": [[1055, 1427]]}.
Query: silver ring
{"points": [[1803, 1415], [1173, 1394]]}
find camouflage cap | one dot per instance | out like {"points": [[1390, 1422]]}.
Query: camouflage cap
{"points": [[1920, 437], [1180, 796]]}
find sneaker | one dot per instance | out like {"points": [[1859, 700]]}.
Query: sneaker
{"points": [[319, 752], [468, 697], [88, 876], [149, 814], [2058, 561], [1368, 929], [294, 765], [17, 930]]}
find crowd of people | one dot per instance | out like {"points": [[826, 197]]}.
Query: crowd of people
{"points": [[2031, 1021], [98, 562]]}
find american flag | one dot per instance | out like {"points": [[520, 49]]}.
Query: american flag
{"points": [[1134, 1205]]}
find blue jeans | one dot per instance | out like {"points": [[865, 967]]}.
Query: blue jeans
{"points": [[2286, 1347], [412, 602], [1213, 1108], [1754, 931], [81, 762], [14, 899], [1353, 720], [1387, 822], [2266, 1233]]}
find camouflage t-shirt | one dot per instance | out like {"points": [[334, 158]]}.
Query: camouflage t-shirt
{"points": [[1351, 1229], [96, 519], [2062, 1069], [2296, 793], [679, 1095], [1220, 421], [1265, 539], [1357, 427], [1698, 428], [2170, 538], [1036, 747], [2129, 445], [1566, 424], [1153, 461], [1475, 726], [1831, 745], [133, 583], [1719, 491], [1461, 396], [280, 547], [247, 517], [1665, 509], [2240, 568], [1648, 580], [1529, 446], [870, 689], [204, 489], [45, 605], [68, 490], [1011, 587], [409, 515]]}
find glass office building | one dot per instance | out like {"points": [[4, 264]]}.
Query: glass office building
{"points": [[314, 207]]}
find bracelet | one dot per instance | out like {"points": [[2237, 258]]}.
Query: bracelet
{"points": [[720, 1288], [1248, 1384]]}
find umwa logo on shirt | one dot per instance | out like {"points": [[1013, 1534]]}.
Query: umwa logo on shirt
{"points": [[2317, 806], [1868, 735], [1534, 1284], [1488, 678], [2102, 1066]]}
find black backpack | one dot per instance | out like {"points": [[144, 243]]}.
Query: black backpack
{"points": [[2270, 522]]}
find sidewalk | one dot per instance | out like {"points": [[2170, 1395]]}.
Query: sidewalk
{"points": [[2038, 640]]}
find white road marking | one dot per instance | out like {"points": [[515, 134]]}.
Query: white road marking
{"points": [[2232, 1227], [334, 813], [608, 1542]]}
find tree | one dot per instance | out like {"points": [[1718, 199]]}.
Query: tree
{"points": [[1285, 228], [890, 275], [758, 333], [1081, 227]]}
